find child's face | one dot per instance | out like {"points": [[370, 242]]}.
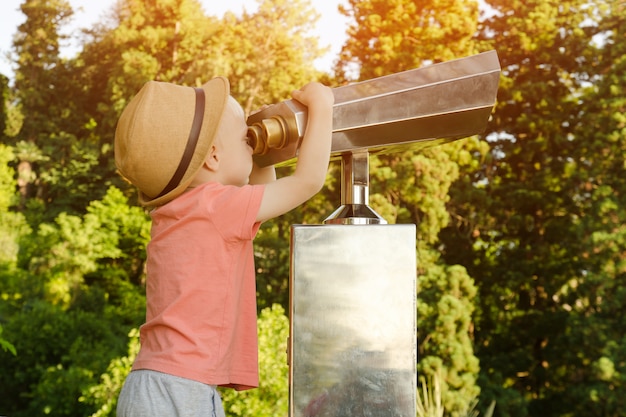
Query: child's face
{"points": [[232, 142]]}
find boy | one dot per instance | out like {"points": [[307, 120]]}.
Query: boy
{"points": [[186, 151]]}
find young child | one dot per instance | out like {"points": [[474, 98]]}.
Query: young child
{"points": [[186, 150]]}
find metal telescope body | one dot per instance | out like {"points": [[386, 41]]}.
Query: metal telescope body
{"points": [[352, 349], [411, 109]]}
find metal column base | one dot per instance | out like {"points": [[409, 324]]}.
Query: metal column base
{"points": [[353, 348]]}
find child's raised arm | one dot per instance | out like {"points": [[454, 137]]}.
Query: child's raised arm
{"points": [[308, 178]]}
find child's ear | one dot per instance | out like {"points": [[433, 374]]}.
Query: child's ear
{"points": [[212, 161]]}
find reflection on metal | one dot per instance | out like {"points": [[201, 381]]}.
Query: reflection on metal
{"points": [[353, 321], [355, 207], [416, 108]]}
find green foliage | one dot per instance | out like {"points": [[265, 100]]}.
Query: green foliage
{"points": [[104, 395], [63, 254], [271, 257], [12, 228], [12, 225], [39, 64], [539, 223], [6, 345], [444, 322], [64, 350], [398, 35], [269, 52], [39, 81], [67, 311], [7, 178]]}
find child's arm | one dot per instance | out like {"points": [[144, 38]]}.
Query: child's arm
{"points": [[262, 175], [308, 178]]}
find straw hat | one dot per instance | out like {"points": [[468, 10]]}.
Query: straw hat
{"points": [[164, 135]]}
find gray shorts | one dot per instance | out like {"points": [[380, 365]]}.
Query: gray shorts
{"points": [[152, 394]]}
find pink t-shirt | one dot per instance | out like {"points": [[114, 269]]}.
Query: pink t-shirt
{"points": [[201, 293]]}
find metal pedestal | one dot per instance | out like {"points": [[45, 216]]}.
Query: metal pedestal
{"points": [[352, 343]]}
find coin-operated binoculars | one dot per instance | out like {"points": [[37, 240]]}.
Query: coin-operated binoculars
{"points": [[352, 349]]}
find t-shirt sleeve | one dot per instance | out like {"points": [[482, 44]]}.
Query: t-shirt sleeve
{"points": [[234, 211]]}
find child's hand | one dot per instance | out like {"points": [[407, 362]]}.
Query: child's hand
{"points": [[308, 178], [315, 95]]}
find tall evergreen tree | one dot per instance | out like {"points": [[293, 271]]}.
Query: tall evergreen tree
{"points": [[37, 46]]}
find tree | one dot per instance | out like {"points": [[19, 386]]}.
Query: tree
{"points": [[269, 53], [140, 41], [9, 221], [73, 285], [596, 295], [412, 187], [63, 350], [12, 226], [37, 46], [399, 35], [526, 222]]}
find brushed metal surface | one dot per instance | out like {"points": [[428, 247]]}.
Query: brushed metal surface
{"points": [[412, 109], [355, 183], [353, 349]]}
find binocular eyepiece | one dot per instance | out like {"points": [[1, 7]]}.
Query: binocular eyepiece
{"points": [[275, 133], [268, 134]]}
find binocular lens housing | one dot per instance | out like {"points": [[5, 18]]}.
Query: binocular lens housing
{"points": [[268, 134]]}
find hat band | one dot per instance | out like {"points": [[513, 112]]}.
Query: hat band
{"points": [[190, 148]]}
